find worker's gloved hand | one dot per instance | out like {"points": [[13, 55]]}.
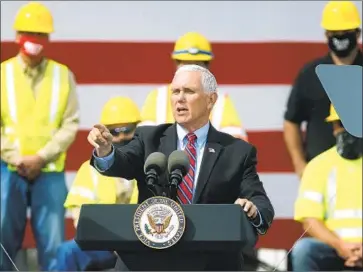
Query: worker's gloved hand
{"points": [[30, 166], [101, 138]]}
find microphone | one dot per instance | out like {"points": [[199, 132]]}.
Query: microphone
{"points": [[178, 167], [154, 166]]}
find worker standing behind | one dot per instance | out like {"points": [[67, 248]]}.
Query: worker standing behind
{"points": [[330, 206], [308, 101], [121, 116], [39, 121], [192, 48]]}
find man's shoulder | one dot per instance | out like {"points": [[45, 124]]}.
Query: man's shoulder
{"points": [[59, 64], [9, 60], [326, 157], [309, 67], [152, 130]]}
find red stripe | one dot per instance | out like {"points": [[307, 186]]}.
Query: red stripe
{"points": [[188, 181], [122, 62], [282, 234], [187, 192], [271, 151], [183, 199]]}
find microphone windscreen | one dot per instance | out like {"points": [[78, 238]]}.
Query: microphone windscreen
{"points": [[178, 160], [156, 161]]}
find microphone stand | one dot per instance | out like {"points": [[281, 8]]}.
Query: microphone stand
{"points": [[175, 179], [151, 181]]}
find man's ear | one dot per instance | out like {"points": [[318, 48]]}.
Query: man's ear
{"points": [[212, 99]]}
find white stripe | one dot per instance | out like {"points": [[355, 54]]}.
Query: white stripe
{"points": [[162, 103], [82, 191], [348, 214], [349, 232], [55, 93], [314, 196], [331, 192], [217, 112], [9, 130], [10, 89], [95, 180], [275, 21], [245, 97]]}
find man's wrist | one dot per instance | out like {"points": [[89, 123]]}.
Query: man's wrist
{"points": [[105, 153]]}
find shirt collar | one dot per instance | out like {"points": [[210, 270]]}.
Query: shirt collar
{"points": [[32, 72], [201, 133]]}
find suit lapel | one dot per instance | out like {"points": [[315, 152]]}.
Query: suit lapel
{"points": [[210, 155], [168, 142]]}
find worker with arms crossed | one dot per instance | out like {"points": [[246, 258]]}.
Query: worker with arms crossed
{"points": [[192, 48], [121, 116], [330, 206], [39, 121]]}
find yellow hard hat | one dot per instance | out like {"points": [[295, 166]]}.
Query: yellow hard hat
{"points": [[34, 17], [333, 115], [340, 16], [120, 110], [192, 46]]}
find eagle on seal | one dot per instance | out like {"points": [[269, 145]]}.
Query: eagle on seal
{"points": [[159, 227]]}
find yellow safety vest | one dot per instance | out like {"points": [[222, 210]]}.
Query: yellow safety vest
{"points": [[90, 187], [28, 122], [331, 190], [224, 117]]}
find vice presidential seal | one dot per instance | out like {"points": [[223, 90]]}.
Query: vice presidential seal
{"points": [[159, 222]]}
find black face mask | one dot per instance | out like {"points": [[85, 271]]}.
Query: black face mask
{"points": [[122, 143], [343, 44], [349, 146]]}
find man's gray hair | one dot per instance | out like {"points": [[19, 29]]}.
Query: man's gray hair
{"points": [[209, 82]]}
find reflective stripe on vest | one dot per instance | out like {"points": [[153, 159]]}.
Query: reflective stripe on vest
{"points": [[162, 105], [82, 192], [313, 196], [217, 113], [86, 192], [347, 214], [346, 233], [331, 192]]}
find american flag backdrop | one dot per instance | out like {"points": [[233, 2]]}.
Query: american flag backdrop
{"points": [[123, 48]]}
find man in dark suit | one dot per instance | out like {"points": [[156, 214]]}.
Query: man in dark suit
{"points": [[222, 168]]}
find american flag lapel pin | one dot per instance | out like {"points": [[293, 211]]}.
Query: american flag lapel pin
{"points": [[211, 150]]}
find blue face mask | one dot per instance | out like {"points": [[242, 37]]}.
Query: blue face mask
{"points": [[349, 146]]}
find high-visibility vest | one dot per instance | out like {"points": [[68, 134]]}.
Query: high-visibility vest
{"points": [[90, 187], [29, 123], [331, 191], [224, 117]]}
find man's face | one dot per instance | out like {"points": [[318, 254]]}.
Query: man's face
{"points": [[342, 43], [32, 45], [122, 132], [190, 103]]}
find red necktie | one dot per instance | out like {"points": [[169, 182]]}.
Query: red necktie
{"points": [[185, 192]]}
